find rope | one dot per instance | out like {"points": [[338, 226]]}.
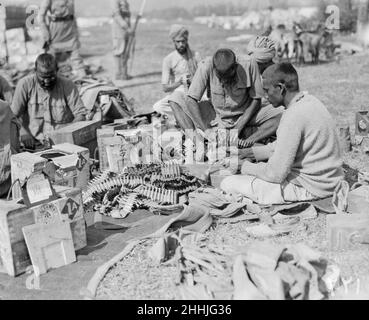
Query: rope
{"points": [[11, 188]]}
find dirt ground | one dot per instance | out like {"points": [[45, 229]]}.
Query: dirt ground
{"points": [[341, 85]]}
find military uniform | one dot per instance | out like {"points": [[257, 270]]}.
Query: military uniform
{"points": [[121, 36], [59, 26], [43, 111]]}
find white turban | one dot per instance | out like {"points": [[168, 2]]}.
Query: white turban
{"points": [[262, 49]]}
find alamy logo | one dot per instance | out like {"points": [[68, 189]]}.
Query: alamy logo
{"points": [[333, 20]]}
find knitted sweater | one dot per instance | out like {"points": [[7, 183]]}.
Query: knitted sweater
{"points": [[306, 152]]}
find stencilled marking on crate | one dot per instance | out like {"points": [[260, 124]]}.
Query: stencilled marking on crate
{"points": [[71, 208], [47, 213]]}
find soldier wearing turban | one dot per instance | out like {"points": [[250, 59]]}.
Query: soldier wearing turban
{"points": [[263, 50], [179, 67]]}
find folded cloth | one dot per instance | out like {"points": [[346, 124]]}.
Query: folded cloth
{"points": [[219, 204], [194, 219]]}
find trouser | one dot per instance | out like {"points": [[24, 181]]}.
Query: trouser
{"points": [[121, 65], [265, 193], [163, 106]]}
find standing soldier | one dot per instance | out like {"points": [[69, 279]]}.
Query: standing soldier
{"points": [[60, 31], [122, 32]]}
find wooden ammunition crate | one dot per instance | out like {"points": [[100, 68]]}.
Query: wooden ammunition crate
{"points": [[81, 133], [14, 257]]}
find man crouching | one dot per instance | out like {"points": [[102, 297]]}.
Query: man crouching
{"points": [[304, 163]]}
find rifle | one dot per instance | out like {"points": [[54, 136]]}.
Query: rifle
{"points": [[131, 46]]}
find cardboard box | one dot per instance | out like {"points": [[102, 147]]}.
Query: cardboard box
{"points": [[130, 147], [104, 136], [81, 133], [71, 163], [65, 164], [14, 257], [22, 166]]}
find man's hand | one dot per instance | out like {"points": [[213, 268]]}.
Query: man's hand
{"points": [[248, 143], [29, 142]]}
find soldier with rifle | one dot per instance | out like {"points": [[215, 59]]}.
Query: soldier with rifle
{"points": [[124, 37], [122, 32]]}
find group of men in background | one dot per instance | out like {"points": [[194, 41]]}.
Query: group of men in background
{"points": [[260, 102], [289, 131]]}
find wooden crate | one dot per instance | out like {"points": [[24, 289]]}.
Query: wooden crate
{"points": [[14, 257], [81, 133]]}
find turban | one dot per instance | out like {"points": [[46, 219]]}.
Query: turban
{"points": [[178, 30], [262, 49]]}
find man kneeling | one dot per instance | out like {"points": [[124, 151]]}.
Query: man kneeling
{"points": [[304, 163]]}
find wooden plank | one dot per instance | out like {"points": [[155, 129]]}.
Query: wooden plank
{"points": [[50, 246]]}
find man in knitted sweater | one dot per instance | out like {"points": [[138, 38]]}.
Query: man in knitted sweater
{"points": [[305, 162]]}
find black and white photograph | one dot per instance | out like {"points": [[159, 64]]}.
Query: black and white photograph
{"points": [[184, 155]]}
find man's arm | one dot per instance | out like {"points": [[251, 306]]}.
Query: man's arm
{"points": [[6, 89], [255, 93], [165, 77], [279, 165], [251, 110], [197, 90], [19, 108], [75, 103]]}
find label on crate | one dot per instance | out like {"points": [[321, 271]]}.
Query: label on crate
{"points": [[71, 208], [38, 188], [47, 213], [81, 162]]}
